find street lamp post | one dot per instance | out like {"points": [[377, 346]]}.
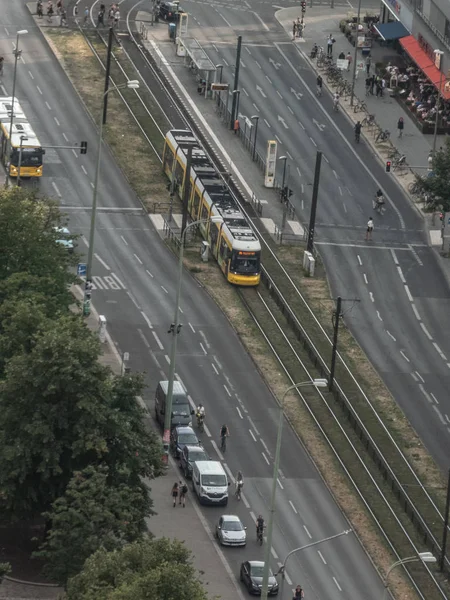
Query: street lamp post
{"points": [[283, 196], [22, 139], [237, 95], [282, 569], [256, 119], [276, 466], [284, 158], [437, 53], [17, 53], [221, 71], [175, 330], [132, 84], [425, 557]]}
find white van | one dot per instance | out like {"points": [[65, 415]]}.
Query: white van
{"points": [[210, 482]]}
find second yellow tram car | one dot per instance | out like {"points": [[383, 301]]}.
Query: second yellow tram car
{"points": [[233, 242]]}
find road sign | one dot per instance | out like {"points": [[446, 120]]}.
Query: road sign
{"points": [[219, 87], [81, 269], [360, 65]]}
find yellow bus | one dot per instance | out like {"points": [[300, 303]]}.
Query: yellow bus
{"points": [[233, 243], [24, 148]]}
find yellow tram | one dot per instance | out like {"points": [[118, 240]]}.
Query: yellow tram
{"points": [[233, 242]]}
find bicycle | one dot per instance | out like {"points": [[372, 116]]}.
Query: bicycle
{"points": [[360, 106], [368, 121], [238, 492], [383, 135], [399, 161], [415, 188]]}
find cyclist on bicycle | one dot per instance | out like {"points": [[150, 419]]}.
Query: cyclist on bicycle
{"points": [[379, 200], [2, 60], [336, 101], [259, 526], [239, 483], [319, 85], [358, 130]]}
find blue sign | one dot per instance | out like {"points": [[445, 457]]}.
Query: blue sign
{"points": [[81, 269]]}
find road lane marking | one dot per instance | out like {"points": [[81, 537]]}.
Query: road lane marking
{"points": [[404, 356], [365, 279], [371, 296], [301, 125], [256, 108], [321, 556], [313, 141], [164, 289], [192, 327], [268, 79], [265, 458], [56, 121], [434, 397], [379, 316], [293, 507], [265, 446], [158, 341], [426, 332], [227, 390], [280, 484], [239, 412], [83, 168], [258, 64], [261, 21], [245, 91], [101, 261], [307, 532], [138, 259], [251, 433], [267, 123], [359, 260], [214, 368], [278, 139], [31, 74], [290, 110], [390, 334], [408, 293], [415, 311], [439, 414], [226, 21], [337, 584], [335, 174], [55, 187], [146, 319], [124, 240], [133, 300], [203, 348], [439, 351], [39, 90], [48, 105], [272, 550], [148, 273], [143, 338], [400, 272], [253, 425], [279, 94], [420, 376]]}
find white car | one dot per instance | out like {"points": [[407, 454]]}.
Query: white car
{"points": [[230, 531], [66, 239]]}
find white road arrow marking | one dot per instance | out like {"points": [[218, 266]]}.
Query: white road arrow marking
{"points": [[259, 89], [283, 121], [319, 125], [298, 95], [277, 65]]}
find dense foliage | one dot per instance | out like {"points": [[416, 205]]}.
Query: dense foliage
{"points": [[150, 569], [437, 186]]}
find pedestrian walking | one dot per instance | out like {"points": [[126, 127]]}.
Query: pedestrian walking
{"points": [[400, 126], [369, 230], [58, 7], [383, 85], [372, 84], [379, 91], [49, 11], [63, 18], [368, 63], [294, 29], [368, 85], [86, 15], [111, 16], [100, 17], [330, 42], [39, 9], [174, 493], [116, 18], [349, 57], [183, 491], [236, 126]]}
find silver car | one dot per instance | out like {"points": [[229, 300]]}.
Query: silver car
{"points": [[230, 531]]}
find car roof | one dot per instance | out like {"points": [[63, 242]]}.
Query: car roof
{"points": [[191, 448], [256, 563], [184, 429], [230, 518]]}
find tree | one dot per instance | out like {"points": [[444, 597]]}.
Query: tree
{"points": [[5, 569], [90, 515], [61, 411], [150, 569], [437, 186], [28, 238]]}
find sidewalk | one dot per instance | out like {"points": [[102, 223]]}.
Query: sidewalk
{"points": [[319, 23]]}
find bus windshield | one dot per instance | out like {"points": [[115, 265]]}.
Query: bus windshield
{"points": [[245, 262], [31, 157]]}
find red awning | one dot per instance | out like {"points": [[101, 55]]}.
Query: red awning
{"points": [[424, 62]]}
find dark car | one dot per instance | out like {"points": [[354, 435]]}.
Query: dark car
{"points": [[168, 11], [252, 575], [188, 457], [181, 437]]}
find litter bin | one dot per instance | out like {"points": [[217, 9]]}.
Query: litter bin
{"points": [[172, 30]]}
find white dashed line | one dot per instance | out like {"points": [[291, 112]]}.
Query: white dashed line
{"points": [[390, 335], [359, 260], [139, 260], [39, 89], [124, 240], [31, 74], [321, 556], [83, 168], [56, 121], [158, 341], [219, 453], [301, 125], [265, 446], [267, 123], [48, 105], [278, 139], [258, 64], [337, 584], [439, 351], [307, 532], [148, 273], [293, 507], [439, 414], [415, 311], [214, 368], [379, 316], [192, 327], [245, 91], [313, 141], [408, 293], [55, 187], [101, 261], [280, 484], [420, 377], [203, 348], [279, 94], [75, 154], [299, 173], [146, 319], [335, 174], [162, 287], [265, 458], [253, 425], [290, 110], [404, 356], [434, 397], [325, 157], [239, 412], [256, 108], [426, 332], [65, 137], [365, 279], [268, 79], [247, 49], [227, 390], [340, 191], [414, 376], [371, 296], [402, 277], [133, 300]]}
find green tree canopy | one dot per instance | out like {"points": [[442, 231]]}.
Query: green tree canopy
{"points": [[146, 570], [438, 185], [90, 515], [28, 239], [61, 411]]}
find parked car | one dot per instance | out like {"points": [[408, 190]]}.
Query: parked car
{"points": [[188, 457], [168, 10], [230, 531], [65, 239], [181, 437], [252, 575]]}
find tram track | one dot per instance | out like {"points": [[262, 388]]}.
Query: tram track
{"points": [[159, 87]]}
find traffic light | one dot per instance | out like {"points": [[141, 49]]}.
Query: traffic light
{"points": [[83, 148], [388, 166]]}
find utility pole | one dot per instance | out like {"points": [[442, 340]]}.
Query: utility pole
{"points": [[236, 80], [337, 316], [186, 189], [107, 72], [315, 194], [444, 533]]}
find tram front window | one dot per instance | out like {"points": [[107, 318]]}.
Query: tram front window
{"points": [[245, 262]]}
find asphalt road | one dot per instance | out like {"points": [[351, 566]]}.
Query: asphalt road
{"points": [[403, 314], [135, 290]]}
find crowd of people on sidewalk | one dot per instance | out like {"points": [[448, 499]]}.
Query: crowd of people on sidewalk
{"points": [[50, 11], [113, 13]]}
